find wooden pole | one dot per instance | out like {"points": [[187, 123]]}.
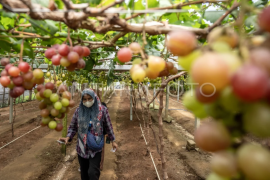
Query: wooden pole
{"points": [[178, 90], [197, 123], [30, 95], [163, 161], [23, 97], [64, 134], [3, 101], [167, 102], [11, 110], [102, 87], [9, 99], [154, 99], [131, 102]]}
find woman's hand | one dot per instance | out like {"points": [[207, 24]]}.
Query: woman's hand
{"points": [[66, 139], [114, 145]]}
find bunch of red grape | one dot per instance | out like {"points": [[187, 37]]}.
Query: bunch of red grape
{"points": [[69, 57], [21, 78], [152, 68], [168, 70], [54, 104], [232, 85]]}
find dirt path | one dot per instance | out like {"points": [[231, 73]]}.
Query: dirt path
{"points": [[41, 158], [31, 156]]}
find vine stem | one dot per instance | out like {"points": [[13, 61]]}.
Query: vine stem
{"points": [[69, 39], [144, 36], [240, 23], [21, 52], [142, 54], [54, 75]]}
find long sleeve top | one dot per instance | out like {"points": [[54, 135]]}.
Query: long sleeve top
{"points": [[107, 127]]}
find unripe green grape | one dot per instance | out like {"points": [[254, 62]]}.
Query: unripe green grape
{"points": [[46, 120], [229, 101], [256, 119], [47, 93], [57, 105], [52, 124], [254, 161], [54, 97], [38, 97], [221, 47], [187, 61]]}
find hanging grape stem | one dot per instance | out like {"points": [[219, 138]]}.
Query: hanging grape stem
{"points": [[142, 54], [54, 76], [69, 39], [21, 52], [144, 36]]}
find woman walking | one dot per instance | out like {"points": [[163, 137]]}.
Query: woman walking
{"points": [[91, 120]]}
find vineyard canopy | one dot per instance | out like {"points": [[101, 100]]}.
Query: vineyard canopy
{"points": [[107, 25]]}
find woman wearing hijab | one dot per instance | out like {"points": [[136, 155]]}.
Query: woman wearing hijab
{"points": [[91, 120]]}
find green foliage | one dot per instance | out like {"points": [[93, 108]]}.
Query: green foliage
{"points": [[196, 15]]}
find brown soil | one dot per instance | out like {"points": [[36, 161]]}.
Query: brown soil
{"points": [[181, 116], [131, 160], [17, 148], [9, 154]]}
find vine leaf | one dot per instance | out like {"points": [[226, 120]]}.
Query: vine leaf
{"points": [[117, 60], [89, 64], [60, 4], [44, 27], [152, 3], [27, 49]]}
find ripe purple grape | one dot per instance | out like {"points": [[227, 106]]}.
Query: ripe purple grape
{"points": [[18, 81], [81, 64], [250, 83], [4, 61], [49, 53]]}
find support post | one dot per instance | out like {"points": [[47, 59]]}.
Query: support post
{"points": [[154, 99], [197, 123], [167, 102], [8, 99], [178, 90], [161, 133], [3, 101], [64, 134], [23, 97], [147, 90], [102, 92], [10, 110], [131, 102], [121, 90], [30, 95], [72, 91]]}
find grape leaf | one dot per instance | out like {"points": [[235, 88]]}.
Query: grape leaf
{"points": [[89, 64]]}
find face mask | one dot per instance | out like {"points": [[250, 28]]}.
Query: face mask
{"points": [[88, 103]]}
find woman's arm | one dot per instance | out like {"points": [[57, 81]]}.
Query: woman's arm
{"points": [[108, 125], [73, 127]]}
